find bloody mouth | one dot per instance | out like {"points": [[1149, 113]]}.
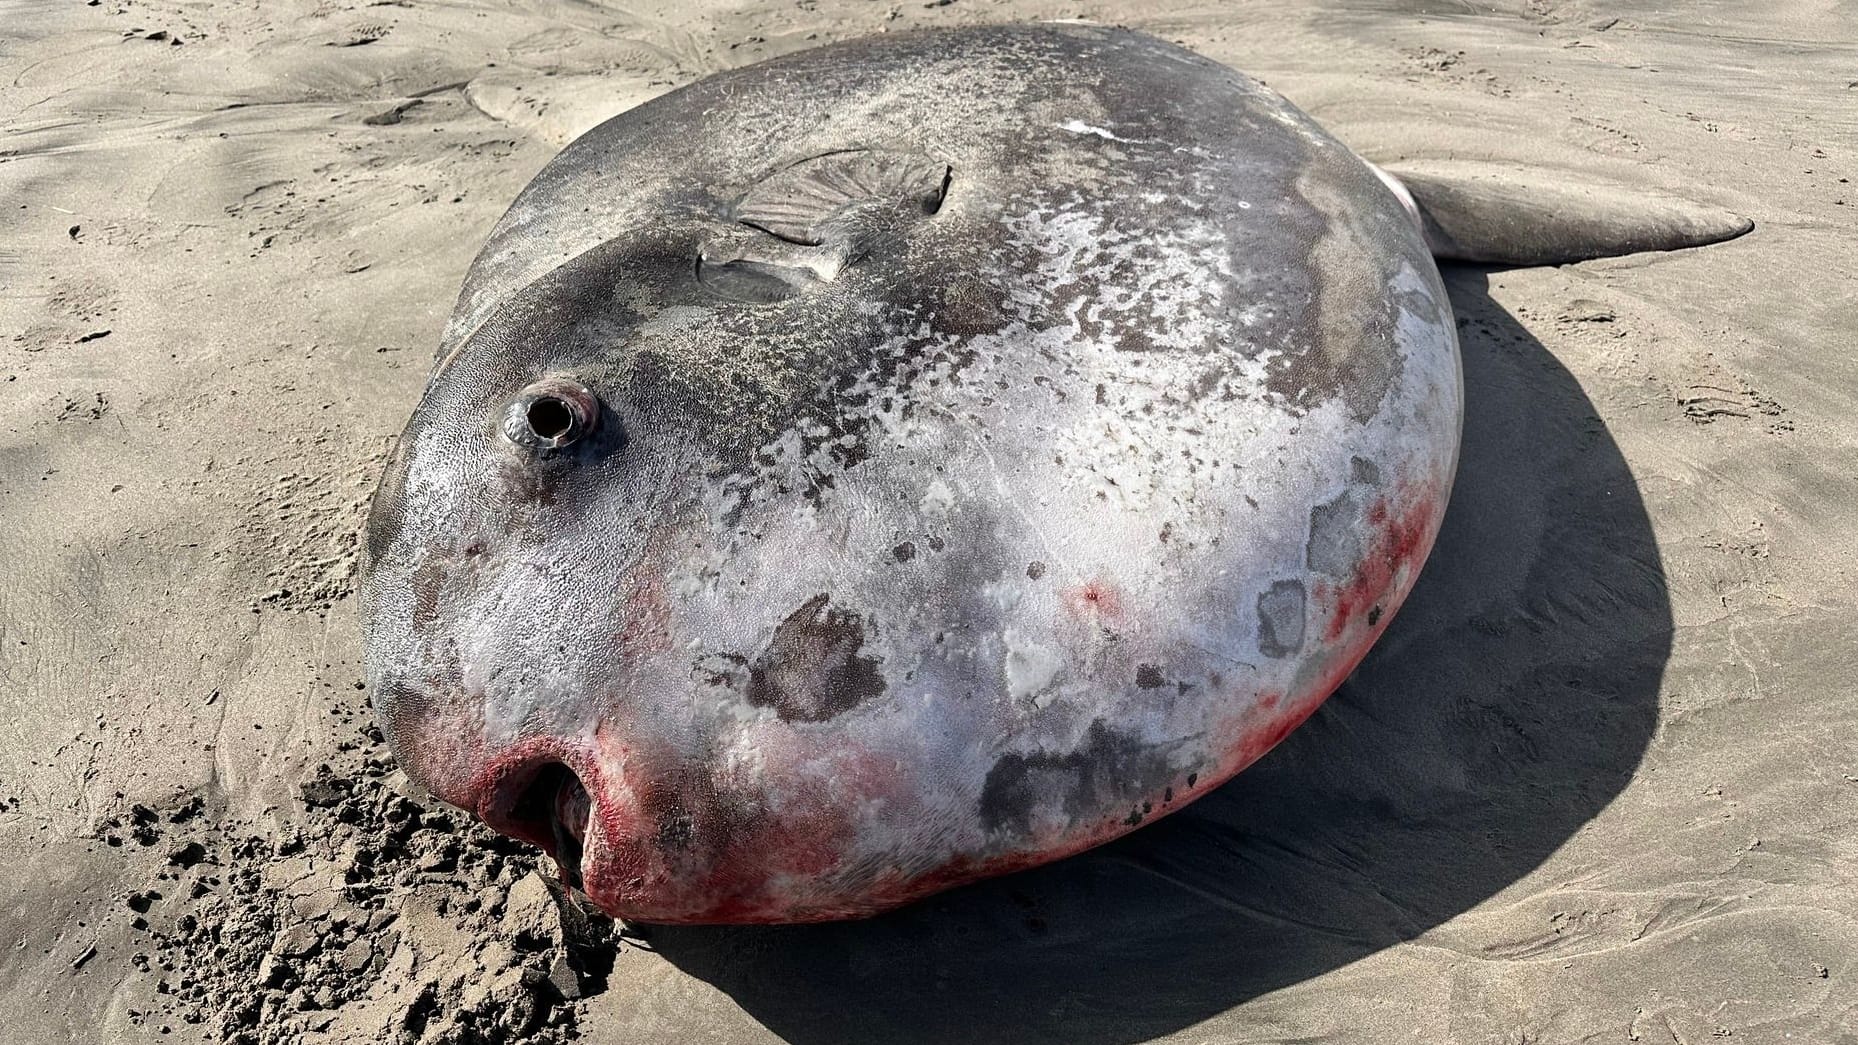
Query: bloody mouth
{"points": [[552, 811], [572, 808]]}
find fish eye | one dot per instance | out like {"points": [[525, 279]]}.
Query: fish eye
{"points": [[553, 413]]}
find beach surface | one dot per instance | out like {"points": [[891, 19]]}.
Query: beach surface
{"points": [[1599, 782]]}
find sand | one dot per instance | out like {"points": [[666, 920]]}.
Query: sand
{"points": [[1598, 783]]}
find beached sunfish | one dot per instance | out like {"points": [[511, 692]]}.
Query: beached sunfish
{"points": [[922, 458]]}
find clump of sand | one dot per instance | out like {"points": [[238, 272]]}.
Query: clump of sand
{"points": [[380, 915]]}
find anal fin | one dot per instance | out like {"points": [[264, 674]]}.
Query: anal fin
{"points": [[1500, 216]]}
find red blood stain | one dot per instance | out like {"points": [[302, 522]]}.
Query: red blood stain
{"points": [[751, 859], [866, 774], [496, 789], [1399, 540], [1257, 743], [673, 843], [1404, 538], [1093, 598]]}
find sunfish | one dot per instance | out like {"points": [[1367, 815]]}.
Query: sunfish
{"points": [[922, 458]]}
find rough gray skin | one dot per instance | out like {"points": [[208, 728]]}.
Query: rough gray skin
{"points": [[1004, 435]]}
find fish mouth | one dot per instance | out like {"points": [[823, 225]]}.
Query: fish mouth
{"points": [[542, 801]]}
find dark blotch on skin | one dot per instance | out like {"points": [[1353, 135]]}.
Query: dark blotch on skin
{"points": [[1280, 619], [1348, 352], [1110, 770], [1035, 570], [811, 670], [969, 306], [1335, 545], [1335, 536], [720, 669], [904, 552], [676, 830], [1148, 676], [1362, 470]]}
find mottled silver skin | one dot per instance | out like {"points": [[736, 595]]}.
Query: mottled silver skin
{"points": [[957, 543]]}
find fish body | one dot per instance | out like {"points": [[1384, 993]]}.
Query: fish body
{"points": [[903, 462]]}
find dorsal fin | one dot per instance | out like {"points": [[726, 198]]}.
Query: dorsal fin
{"points": [[802, 203], [799, 227], [1500, 216]]}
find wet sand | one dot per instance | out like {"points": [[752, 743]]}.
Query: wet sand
{"points": [[1596, 784]]}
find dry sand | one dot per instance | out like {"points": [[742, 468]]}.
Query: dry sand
{"points": [[1599, 783]]}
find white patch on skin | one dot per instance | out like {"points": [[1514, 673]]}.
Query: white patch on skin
{"points": [[1171, 286], [746, 759], [1080, 127], [937, 499], [670, 321], [432, 493], [1395, 186], [537, 694], [1030, 668]]}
